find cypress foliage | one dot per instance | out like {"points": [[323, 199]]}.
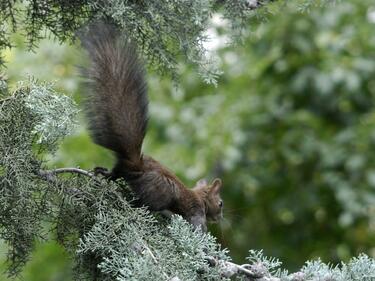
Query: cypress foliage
{"points": [[94, 220], [166, 31]]}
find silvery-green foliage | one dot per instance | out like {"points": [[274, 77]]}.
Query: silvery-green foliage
{"points": [[55, 112], [271, 264], [361, 268], [165, 30], [91, 218], [136, 247], [22, 123]]}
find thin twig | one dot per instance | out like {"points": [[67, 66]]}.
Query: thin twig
{"points": [[6, 99], [251, 272], [156, 261], [151, 254], [48, 173], [241, 269]]}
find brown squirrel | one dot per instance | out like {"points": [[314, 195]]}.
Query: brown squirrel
{"points": [[117, 109]]}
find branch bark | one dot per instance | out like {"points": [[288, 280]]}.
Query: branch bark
{"points": [[49, 174]]}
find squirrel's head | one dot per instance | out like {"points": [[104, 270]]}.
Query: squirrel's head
{"points": [[211, 197]]}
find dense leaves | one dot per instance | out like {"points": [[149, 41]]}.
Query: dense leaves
{"points": [[164, 30], [94, 220], [290, 129], [106, 237]]}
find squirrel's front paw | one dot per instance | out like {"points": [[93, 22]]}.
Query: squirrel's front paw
{"points": [[102, 171], [199, 221]]}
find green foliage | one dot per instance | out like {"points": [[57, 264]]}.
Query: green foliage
{"points": [[358, 268], [22, 126], [164, 29], [290, 130], [57, 268], [94, 220], [91, 218], [138, 249]]}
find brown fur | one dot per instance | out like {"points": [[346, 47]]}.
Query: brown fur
{"points": [[117, 110]]}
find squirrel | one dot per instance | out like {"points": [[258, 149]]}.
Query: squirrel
{"points": [[117, 111]]}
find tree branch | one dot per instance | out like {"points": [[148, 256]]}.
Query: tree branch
{"points": [[252, 272], [48, 174]]}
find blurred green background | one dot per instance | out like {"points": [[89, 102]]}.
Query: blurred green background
{"points": [[290, 129]]}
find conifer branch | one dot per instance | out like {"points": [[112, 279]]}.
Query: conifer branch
{"points": [[50, 173], [228, 269]]}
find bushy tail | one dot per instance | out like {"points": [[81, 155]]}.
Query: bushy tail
{"points": [[116, 100]]}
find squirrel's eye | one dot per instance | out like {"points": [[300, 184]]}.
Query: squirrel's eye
{"points": [[221, 203]]}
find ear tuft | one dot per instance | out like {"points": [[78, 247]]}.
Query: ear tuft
{"points": [[216, 186]]}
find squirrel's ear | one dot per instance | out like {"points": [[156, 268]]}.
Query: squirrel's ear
{"points": [[201, 183], [216, 186]]}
